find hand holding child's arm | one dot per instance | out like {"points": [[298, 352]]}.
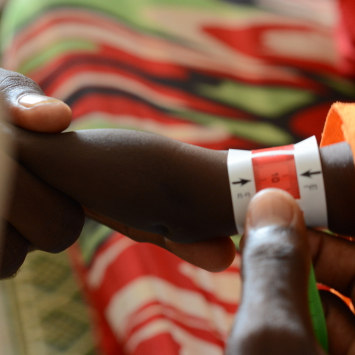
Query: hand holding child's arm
{"points": [[273, 317], [38, 214]]}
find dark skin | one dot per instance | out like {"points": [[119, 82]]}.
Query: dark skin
{"points": [[273, 317], [338, 171], [45, 218], [51, 213], [282, 253], [154, 190], [53, 219]]}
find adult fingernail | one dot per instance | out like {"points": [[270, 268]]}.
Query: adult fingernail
{"points": [[271, 207], [32, 100]]}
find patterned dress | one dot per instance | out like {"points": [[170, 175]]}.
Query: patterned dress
{"points": [[216, 73]]}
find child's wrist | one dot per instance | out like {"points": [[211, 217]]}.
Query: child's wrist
{"points": [[339, 182]]}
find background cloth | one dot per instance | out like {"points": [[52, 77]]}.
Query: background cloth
{"points": [[215, 73]]}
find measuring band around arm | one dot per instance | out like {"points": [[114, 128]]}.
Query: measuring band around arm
{"points": [[295, 168]]}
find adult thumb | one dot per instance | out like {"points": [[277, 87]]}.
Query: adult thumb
{"points": [[273, 317], [29, 107]]}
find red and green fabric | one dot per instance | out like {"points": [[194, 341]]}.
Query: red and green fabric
{"points": [[215, 73]]}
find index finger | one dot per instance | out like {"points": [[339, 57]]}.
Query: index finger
{"points": [[334, 261], [212, 255]]}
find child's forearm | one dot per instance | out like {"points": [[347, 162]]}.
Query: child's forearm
{"points": [[142, 180], [162, 186]]}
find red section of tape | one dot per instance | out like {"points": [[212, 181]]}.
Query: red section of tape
{"points": [[277, 171]]}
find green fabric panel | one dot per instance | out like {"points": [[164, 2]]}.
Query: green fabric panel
{"points": [[216, 6], [236, 240], [97, 123], [316, 311], [128, 10], [56, 50], [271, 102], [260, 132], [341, 85], [15, 17], [92, 236]]}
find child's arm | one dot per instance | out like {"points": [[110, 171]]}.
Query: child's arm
{"points": [[159, 185], [142, 180], [139, 183]]}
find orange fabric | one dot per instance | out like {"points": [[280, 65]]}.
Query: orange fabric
{"points": [[340, 125], [332, 132]]}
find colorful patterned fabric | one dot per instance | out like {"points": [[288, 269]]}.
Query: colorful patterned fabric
{"points": [[209, 72], [150, 302], [220, 74], [44, 311]]}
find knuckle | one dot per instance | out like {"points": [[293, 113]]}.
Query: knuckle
{"points": [[270, 250], [15, 84], [276, 243]]}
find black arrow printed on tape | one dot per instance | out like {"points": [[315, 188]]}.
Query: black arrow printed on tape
{"points": [[309, 173], [241, 182]]}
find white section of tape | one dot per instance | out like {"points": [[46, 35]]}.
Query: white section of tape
{"points": [[311, 184], [242, 184], [309, 176]]}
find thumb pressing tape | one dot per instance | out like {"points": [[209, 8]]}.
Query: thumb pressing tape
{"points": [[294, 168]]}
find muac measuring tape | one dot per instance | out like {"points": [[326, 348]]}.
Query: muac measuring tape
{"points": [[296, 169]]}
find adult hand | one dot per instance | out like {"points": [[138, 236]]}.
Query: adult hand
{"points": [[39, 217], [42, 218], [212, 255], [273, 317]]}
